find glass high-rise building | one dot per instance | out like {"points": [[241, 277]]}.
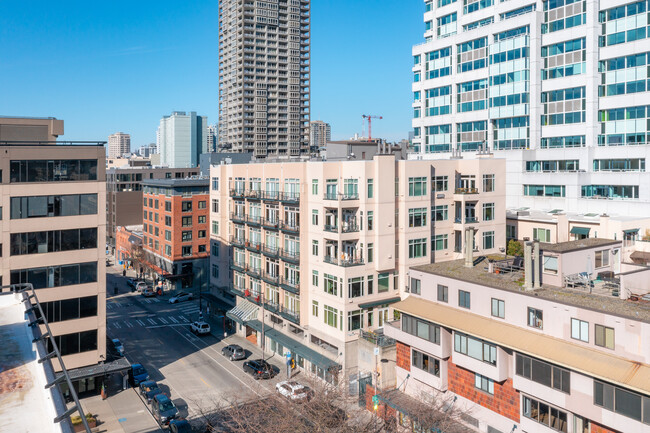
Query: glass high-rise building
{"points": [[557, 87], [264, 76]]}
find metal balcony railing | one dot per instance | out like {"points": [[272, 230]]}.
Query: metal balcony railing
{"points": [[237, 217], [466, 191], [237, 241], [290, 256], [291, 315], [331, 228], [350, 227]]}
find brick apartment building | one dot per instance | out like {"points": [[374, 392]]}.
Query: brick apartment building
{"points": [[128, 242], [175, 231]]}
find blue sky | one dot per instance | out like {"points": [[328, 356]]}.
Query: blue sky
{"points": [[121, 65]]}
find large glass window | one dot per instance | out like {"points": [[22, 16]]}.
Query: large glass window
{"points": [[69, 309], [622, 401], [580, 330], [545, 414], [418, 217], [53, 241], [59, 170], [425, 362], [421, 328], [475, 348], [417, 248], [604, 336], [417, 186], [56, 276], [53, 206], [543, 373]]}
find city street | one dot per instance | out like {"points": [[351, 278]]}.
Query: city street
{"points": [[189, 368]]}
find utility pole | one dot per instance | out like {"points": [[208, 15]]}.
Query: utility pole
{"points": [[261, 297]]}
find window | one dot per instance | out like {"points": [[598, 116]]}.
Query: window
{"points": [[370, 252], [314, 248], [543, 373], [215, 227], [202, 219], [355, 319], [314, 308], [201, 234], [168, 250], [475, 348], [187, 236], [488, 211], [215, 271], [535, 318], [542, 235], [77, 342], [52, 241], [417, 186], [215, 183], [53, 206], [425, 362], [418, 217], [56, 276], [443, 293], [604, 336], [187, 221], [40, 170], [484, 384], [498, 308], [187, 250], [168, 235], [421, 328], [545, 414], [186, 206], [314, 217], [601, 258], [69, 309], [382, 282], [330, 316], [550, 265], [314, 278], [202, 205], [417, 248], [215, 205], [371, 220], [622, 401], [580, 330], [463, 299], [371, 188], [314, 186], [440, 212], [441, 183], [330, 284], [488, 183], [415, 286], [168, 206], [355, 287], [488, 240], [440, 242]]}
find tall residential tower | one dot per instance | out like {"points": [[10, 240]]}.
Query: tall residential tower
{"points": [[319, 133], [264, 77], [556, 87], [182, 137], [119, 144]]}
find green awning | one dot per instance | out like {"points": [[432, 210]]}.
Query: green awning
{"points": [[631, 231], [295, 346], [380, 302], [243, 312], [584, 231]]}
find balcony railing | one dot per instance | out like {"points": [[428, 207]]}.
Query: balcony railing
{"points": [[351, 262], [466, 190], [290, 285], [350, 196], [239, 291], [293, 316], [290, 197], [270, 278], [350, 227], [469, 220], [290, 256], [253, 220], [237, 241], [331, 260], [235, 217], [331, 228], [270, 251], [271, 195], [237, 266], [253, 246], [254, 272], [237, 193], [290, 227], [378, 338], [254, 194], [272, 306], [270, 224], [330, 196]]}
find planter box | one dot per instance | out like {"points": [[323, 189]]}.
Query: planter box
{"points": [[80, 427]]}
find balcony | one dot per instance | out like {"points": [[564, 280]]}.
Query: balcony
{"points": [[272, 252], [237, 217], [271, 196], [237, 193], [331, 228], [239, 291], [253, 297], [253, 220], [350, 227], [254, 195], [270, 224], [290, 285], [470, 220], [270, 278], [290, 197], [350, 196], [237, 241], [293, 316], [290, 256], [253, 246], [290, 227], [346, 263], [466, 191], [272, 307], [254, 272], [237, 266], [330, 196]]}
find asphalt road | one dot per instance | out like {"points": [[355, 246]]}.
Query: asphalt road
{"points": [[189, 368]]}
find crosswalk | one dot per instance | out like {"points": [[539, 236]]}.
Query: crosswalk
{"points": [[149, 322]]}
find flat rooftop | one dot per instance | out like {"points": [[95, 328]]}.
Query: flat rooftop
{"points": [[174, 183], [577, 245], [25, 404], [478, 274], [551, 215]]}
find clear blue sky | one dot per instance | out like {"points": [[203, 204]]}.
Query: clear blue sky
{"points": [[121, 65]]}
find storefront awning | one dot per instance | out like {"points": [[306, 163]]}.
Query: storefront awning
{"points": [[115, 366], [640, 256], [367, 305], [584, 231], [631, 231], [243, 312]]}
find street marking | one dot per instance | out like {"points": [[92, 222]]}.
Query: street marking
{"points": [[206, 383], [153, 322], [162, 320], [172, 319], [121, 420], [128, 324], [162, 326], [184, 319], [116, 325], [140, 322]]}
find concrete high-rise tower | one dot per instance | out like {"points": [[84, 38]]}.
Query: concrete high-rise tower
{"points": [[319, 133], [264, 77], [118, 144], [182, 138]]}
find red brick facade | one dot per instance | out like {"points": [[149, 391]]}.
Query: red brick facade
{"points": [[597, 428], [383, 411], [123, 244], [403, 356], [504, 402]]}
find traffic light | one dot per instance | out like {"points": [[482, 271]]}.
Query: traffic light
{"points": [[375, 402]]}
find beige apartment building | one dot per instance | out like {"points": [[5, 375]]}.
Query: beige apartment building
{"points": [[325, 247], [53, 231], [119, 144]]}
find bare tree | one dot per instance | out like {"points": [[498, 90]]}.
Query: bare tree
{"points": [[329, 410]]}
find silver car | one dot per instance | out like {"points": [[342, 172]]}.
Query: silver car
{"points": [[180, 297]]}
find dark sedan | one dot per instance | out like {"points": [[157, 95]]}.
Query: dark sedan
{"points": [[259, 369], [234, 352]]}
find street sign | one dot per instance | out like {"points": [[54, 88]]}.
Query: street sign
{"points": [[376, 351], [288, 354]]}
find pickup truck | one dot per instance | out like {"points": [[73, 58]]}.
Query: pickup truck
{"points": [[200, 328]]}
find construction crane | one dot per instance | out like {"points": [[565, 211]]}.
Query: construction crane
{"points": [[370, 117]]}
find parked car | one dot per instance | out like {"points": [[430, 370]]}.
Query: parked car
{"points": [[131, 282], [180, 297], [180, 426], [148, 293], [163, 409], [149, 389], [118, 346], [234, 352], [294, 391], [141, 285], [259, 369], [138, 374], [200, 327]]}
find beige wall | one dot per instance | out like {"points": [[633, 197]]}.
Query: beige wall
{"points": [[30, 129]]}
